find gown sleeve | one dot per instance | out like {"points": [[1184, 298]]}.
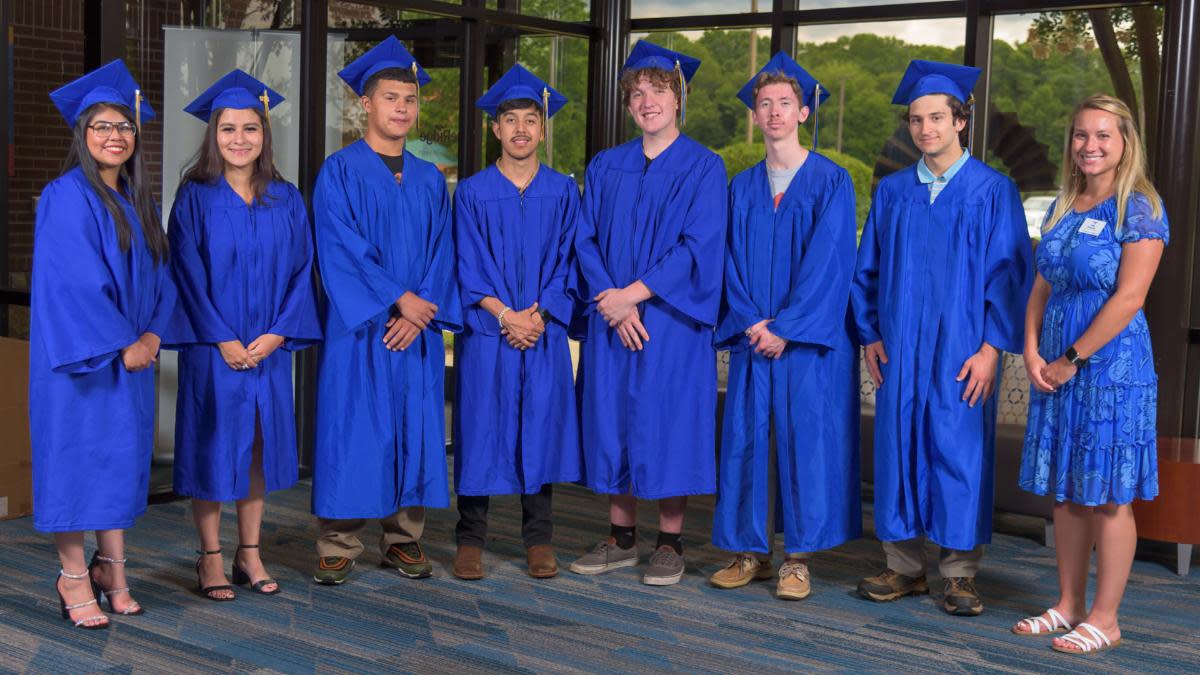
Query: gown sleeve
{"points": [[476, 269], [593, 275], [864, 289], [197, 320], [439, 285], [557, 293], [297, 317], [1008, 273], [358, 286], [815, 312], [688, 276], [738, 311], [78, 318]]}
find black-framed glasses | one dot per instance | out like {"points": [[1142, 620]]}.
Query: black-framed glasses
{"points": [[106, 129]]}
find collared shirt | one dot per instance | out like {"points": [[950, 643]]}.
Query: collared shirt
{"points": [[938, 183]]}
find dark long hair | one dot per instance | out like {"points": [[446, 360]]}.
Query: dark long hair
{"points": [[207, 166], [134, 176]]}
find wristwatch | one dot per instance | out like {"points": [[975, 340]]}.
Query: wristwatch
{"points": [[1074, 357]]}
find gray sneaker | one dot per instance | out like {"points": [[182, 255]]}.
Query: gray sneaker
{"points": [[666, 568], [606, 557]]}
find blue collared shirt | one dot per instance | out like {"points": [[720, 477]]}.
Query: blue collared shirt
{"points": [[938, 183]]}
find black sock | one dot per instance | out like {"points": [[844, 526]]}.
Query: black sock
{"points": [[626, 536], [672, 540]]}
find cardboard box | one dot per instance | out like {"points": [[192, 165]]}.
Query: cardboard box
{"points": [[16, 477]]}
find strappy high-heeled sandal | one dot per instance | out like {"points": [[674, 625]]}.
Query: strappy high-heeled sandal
{"points": [[87, 623], [207, 591], [240, 577], [134, 609]]}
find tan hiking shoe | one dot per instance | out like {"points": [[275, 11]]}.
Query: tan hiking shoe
{"points": [[961, 598], [793, 581], [744, 568], [890, 585]]}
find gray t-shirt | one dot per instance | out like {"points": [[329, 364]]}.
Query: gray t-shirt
{"points": [[781, 179]]}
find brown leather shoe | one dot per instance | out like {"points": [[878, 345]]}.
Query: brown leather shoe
{"points": [[541, 561], [468, 563]]}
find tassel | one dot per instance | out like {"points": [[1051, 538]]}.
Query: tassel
{"points": [[682, 94], [417, 79], [266, 101], [970, 123], [137, 108], [545, 111], [816, 113]]}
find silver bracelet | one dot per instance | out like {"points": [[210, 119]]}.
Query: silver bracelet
{"points": [[500, 316]]}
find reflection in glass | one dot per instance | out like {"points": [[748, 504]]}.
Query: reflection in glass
{"points": [[650, 9], [562, 62]]}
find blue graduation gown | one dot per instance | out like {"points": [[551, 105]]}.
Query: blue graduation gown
{"points": [[92, 421], [380, 428], [518, 429], [793, 265], [934, 282], [647, 418], [242, 271]]}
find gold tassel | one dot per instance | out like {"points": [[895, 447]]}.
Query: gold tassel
{"points": [[266, 101], [682, 94], [137, 108], [417, 79], [545, 112]]}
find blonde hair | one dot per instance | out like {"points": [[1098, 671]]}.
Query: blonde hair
{"points": [[1131, 170]]}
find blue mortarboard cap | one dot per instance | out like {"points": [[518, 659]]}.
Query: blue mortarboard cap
{"points": [[649, 55], [520, 83], [237, 89], [783, 64], [390, 53], [110, 83], [931, 77]]}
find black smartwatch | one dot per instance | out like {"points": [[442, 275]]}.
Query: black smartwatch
{"points": [[1074, 357], [546, 317]]}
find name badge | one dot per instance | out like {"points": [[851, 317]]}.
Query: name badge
{"points": [[1092, 226]]}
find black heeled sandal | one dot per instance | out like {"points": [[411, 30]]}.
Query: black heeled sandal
{"points": [[100, 592], [207, 591], [67, 609], [240, 577]]}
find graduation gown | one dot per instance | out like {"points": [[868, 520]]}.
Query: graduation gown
{"points": [[380, 428], [91, 421], [934, 282], [647, 418], [793, 265], [519, 428], [242, 271]]}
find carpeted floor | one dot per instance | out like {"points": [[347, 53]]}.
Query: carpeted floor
{"points": [[509, 622]]}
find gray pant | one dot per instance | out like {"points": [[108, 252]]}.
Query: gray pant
{"points": [[908, 558]]}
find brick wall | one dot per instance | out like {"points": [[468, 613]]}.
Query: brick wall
{"points": [[48, 46]]}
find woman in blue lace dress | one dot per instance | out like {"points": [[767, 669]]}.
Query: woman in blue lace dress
{"points": [[1090, 439]]}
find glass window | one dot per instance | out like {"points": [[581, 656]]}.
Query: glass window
{"points": [[652, 9], [1043, 65], [560, 10], [563, 63]]}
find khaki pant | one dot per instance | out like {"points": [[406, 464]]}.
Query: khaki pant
{"points": [[908, 558], [340, 537]]}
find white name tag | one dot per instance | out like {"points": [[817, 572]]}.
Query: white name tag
{"points": [[1092, 226]]}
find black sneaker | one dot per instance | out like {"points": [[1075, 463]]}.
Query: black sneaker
{"points": [[409, 560], [961, 598], [333, 570]]}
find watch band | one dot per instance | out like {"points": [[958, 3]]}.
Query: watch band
{"points": [[1074, 357]]}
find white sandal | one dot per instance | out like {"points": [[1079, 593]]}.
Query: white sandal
{"points": [[1038, 625], [1099, 642]]}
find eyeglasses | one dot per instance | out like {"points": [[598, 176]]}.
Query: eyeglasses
{"points": [[105, 129]]}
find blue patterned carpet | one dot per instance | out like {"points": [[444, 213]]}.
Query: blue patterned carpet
{"points": [[508, 622]]}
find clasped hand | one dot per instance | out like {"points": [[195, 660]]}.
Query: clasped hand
{"points": [[239, 357], [618, 306], [1048, 377], [523, 328], [141, 354], [415, 315], [764, 341]]}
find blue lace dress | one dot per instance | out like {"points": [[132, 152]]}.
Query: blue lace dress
{"points": [[1092, 441]]}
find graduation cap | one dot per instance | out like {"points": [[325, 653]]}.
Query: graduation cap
{"points": [[110, 83], [390, 53], [649, 55], [932, 77], [810, 89], [238, 90], [519, 83]]}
